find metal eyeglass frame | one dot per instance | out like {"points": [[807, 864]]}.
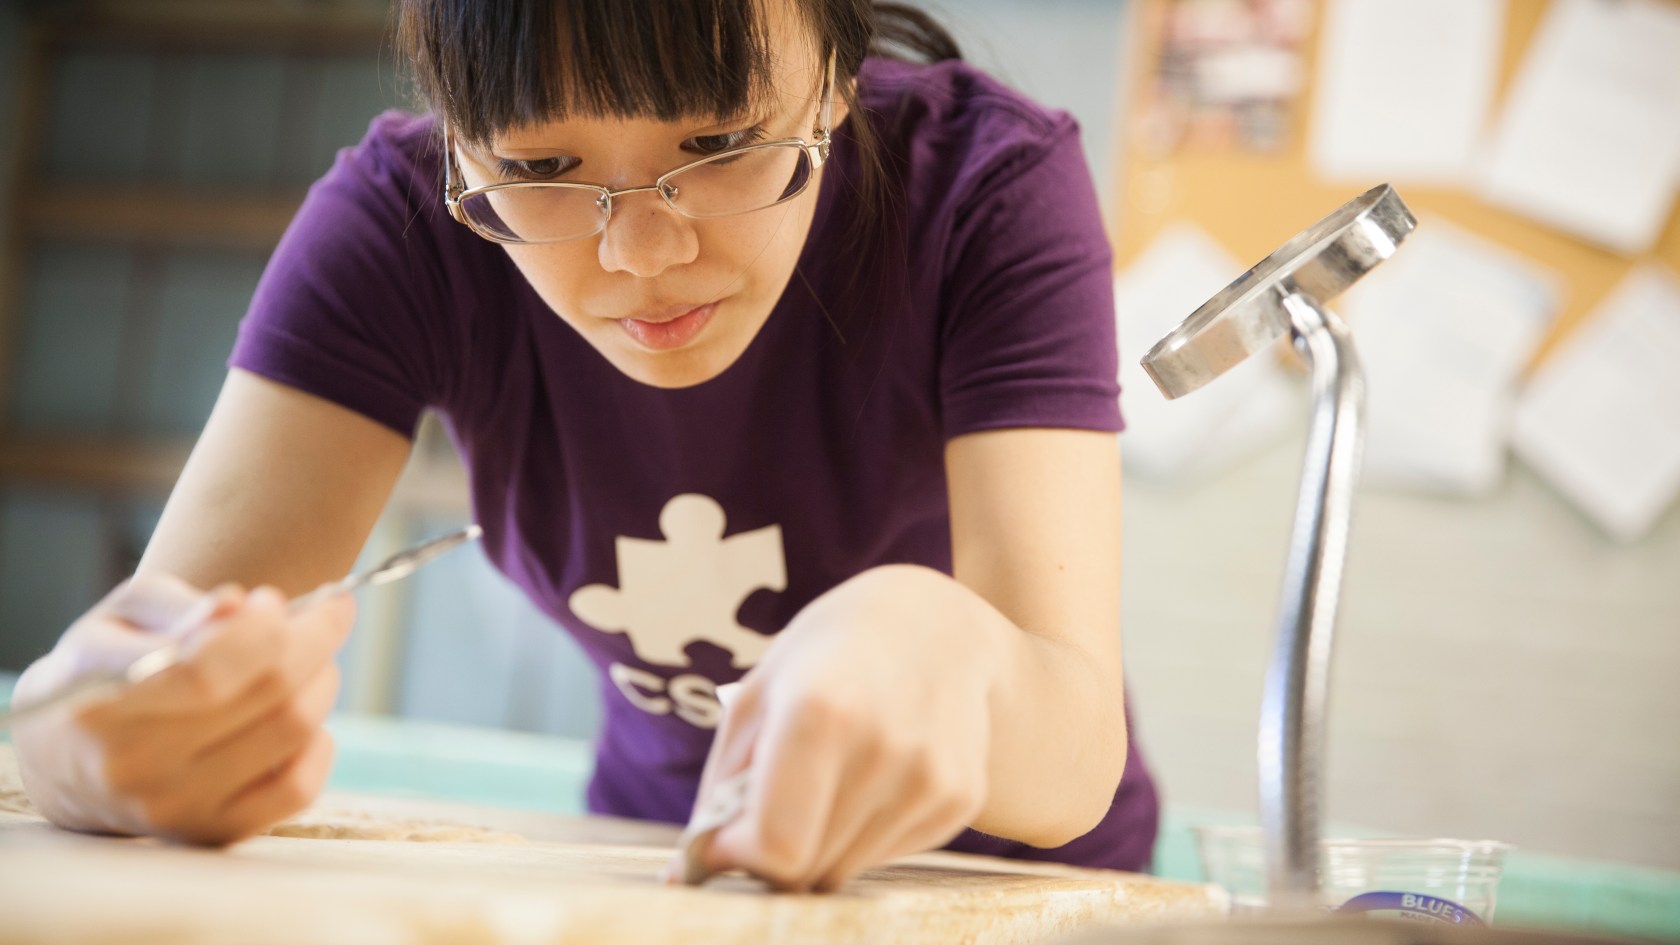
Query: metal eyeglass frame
{"points": [[455, 190]]}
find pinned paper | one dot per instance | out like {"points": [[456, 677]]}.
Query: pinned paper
{"points": [[1444, 330], [1601, 419], [1590, 141], [1250, 406], [1382, 118]]}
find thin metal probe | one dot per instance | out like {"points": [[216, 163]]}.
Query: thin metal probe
{"points": [[394, 568]]}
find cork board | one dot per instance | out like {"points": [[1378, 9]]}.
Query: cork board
{"points": [[1252, 202]]}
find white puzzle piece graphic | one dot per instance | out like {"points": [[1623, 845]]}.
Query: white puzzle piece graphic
{"points": [[688, 587]]}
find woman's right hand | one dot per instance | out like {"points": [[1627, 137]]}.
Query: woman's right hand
{"points": [[215, 748]]}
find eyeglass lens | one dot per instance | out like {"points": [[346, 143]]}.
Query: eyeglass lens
{"points": [[733, 183]]}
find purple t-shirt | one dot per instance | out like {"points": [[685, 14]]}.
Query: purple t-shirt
{"points": [[672, 531]]}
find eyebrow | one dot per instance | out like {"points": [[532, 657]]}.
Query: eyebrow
{"points": [[750, 118]]}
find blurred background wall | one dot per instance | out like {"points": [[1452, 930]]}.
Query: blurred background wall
{"points": [[1505, 669]]}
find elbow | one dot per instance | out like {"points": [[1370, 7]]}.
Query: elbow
{"points": [[1080, 811]]}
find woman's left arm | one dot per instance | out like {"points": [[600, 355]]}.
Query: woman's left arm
{"points": [[1035, 523], [905, 704]]}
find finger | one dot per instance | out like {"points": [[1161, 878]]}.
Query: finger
{"points": [[287, 790], [797, 766], [309, 647], [881, 844], [319, 632], [876, 833], [872, 801], [185, 789], [299, 644], [255, 647], [246, 756], [104, 644], [216, 663], [163, 723]]}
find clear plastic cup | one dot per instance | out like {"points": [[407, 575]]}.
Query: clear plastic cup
{"points": [[1452, 882]]}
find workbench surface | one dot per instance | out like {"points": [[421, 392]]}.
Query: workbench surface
{"points": [[491, 875]]}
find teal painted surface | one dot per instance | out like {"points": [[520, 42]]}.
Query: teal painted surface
{"points": [[1557, 892], [460, 763]]}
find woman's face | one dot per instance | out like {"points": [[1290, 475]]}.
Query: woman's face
{"points": [[671, 301]]}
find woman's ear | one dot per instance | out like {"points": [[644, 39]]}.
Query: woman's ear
{"points": [[842, 103]]}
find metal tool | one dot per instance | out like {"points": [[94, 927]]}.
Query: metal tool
{"points": [[722, 804], [394, 568], [1285, 294]]}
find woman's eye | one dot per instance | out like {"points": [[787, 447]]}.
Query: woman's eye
{"points": [[712, 144], [538, 169]]}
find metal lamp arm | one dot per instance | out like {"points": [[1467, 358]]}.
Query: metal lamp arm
{"points": [[1293, 706]]}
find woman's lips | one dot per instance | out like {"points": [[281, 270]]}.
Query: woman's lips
{"points": [[670, 334]]}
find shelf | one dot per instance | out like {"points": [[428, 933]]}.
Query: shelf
{"points": [[135, 467], [166, 214], [148, 215], [317, 27], [431, 484]]}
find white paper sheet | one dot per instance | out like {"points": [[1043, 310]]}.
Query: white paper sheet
{"points": [[1444, 329], [1590, 139], [1201, 433], [1601, 419], [1404, 89]]}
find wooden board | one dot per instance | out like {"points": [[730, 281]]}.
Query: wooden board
{"points": [[560, 880]]}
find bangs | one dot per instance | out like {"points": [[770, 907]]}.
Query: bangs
{"points": [[487, 67]]}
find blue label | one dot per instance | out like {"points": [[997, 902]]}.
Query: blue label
{"points": [[1412, 906]]}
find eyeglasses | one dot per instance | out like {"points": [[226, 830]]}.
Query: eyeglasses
{"points": [[729, 183]]}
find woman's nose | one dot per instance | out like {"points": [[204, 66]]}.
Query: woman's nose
{"points": [[644, 237]]}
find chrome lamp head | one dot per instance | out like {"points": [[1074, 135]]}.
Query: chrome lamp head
{"points": [[1248, 316]]}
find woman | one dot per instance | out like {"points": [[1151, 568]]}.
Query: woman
{"points": [[764, 354]]}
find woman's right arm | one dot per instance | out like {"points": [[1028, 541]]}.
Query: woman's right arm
{"points": [[279, 495]]}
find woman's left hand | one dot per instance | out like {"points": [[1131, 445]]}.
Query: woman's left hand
{"points": [[867, 728]]}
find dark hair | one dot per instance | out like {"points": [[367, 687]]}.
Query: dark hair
{"points": [[485, 67]]}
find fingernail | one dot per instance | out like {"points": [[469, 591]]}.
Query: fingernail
{"points": [[268, 598], [227, 595]]}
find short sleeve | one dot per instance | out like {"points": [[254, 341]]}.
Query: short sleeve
{"points": [[350, 306], [1028, 333]]}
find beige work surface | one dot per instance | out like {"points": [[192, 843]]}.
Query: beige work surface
{"points": [[498, 876]]}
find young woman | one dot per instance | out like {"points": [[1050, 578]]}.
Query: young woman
{"points": [[770, 358]]}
